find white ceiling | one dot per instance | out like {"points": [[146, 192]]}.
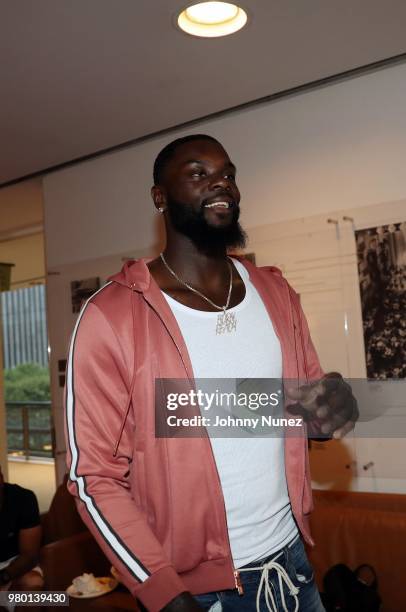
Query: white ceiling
{"points": [[79, 76]]}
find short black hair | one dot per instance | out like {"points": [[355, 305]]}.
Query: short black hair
{"points": [[166, 154]]}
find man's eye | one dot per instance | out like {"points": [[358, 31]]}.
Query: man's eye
{"points": [[198, 173], [231, 177]]}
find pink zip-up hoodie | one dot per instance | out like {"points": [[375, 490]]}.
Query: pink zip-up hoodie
{"points": [[155, 505]]}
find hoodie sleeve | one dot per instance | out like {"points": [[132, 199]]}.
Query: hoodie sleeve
{"points": [[96, 397]]}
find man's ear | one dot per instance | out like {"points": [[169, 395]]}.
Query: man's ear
{"points": [[159, 197]]}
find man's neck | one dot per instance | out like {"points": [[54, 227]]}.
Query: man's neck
{"points": [[201, 268]]}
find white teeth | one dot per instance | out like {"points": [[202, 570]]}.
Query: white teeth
{"points": [[223, 204]]}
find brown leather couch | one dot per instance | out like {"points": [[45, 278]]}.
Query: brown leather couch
{"points": [[355, 528]]}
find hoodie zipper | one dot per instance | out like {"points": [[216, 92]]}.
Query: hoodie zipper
{"points": [[238, 583], [236, 573]]}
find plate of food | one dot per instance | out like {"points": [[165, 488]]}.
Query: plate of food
{"points": [[87, 586]]}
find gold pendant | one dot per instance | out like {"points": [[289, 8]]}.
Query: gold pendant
{"points": [[226, 322]]}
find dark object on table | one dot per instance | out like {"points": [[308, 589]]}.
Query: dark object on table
{"points": [[351, 591]]}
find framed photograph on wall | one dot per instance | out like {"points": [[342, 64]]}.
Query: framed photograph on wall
{"points": [[81, 290], [381, 253]]}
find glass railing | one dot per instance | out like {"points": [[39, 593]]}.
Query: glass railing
{"points": [[29, 429]]}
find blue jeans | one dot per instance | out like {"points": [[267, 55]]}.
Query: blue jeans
{"points": [[294, 560]]}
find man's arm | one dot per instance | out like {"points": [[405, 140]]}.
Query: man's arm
{"points": [[29, 543], [29, 535], [98, 382]]}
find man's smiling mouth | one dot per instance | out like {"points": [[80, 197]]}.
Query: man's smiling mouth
{"points": [[220, 204]]}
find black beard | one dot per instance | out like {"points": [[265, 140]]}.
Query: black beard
{"points": [[205, 237]]}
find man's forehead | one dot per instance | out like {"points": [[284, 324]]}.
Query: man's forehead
{"points": [[199, 150]]}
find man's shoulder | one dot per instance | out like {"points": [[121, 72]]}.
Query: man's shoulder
{"points": [[134, 277], [268, 274], [16, 492], [271, 279], [250, 265], [272, 271], [110, 299], [22, 505]]}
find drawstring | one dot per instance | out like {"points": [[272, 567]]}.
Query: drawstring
{"points": [[264, 583], [130, 392]]}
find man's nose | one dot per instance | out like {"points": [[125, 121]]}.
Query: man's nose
{"points": [[221, 182]]}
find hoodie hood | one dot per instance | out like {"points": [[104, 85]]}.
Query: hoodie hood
{"points": [[134, 274]]}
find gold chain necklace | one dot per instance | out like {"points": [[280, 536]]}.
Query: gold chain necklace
{"points": [[226, 321]]}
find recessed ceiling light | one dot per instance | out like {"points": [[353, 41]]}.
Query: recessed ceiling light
{"points": [[212, 19]]}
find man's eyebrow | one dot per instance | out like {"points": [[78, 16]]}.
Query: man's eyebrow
{"points": [[229, 164]]}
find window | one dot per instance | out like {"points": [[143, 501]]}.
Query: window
{"points": [[29, 429], [26, 373]]}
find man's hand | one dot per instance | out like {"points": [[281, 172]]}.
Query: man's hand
{"points": [[329, 404], [29, 542], [184, 602]]}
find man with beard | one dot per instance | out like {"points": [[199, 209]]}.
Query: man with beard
{"points": [[194, 522]]}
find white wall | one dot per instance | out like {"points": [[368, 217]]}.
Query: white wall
{"points": [[27, 255], [319, 259], [20, 208], [336, 150]]}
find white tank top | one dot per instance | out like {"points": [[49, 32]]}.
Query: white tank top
{"points": [[251, 470]]}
